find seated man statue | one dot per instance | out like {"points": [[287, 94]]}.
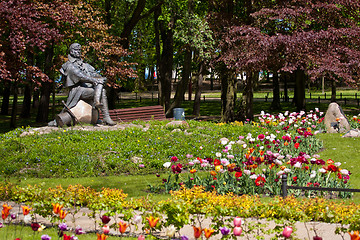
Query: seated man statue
{"points": [[84, 84]]}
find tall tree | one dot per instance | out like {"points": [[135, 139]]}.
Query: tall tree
{"points": [[26, 26], [316, 37]]}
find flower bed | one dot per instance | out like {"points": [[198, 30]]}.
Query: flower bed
{"points": [[254, 164], [185, 207]]}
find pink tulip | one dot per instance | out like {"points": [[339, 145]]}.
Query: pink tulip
{"points": [[141, 237], [237, 231], [237, 222], [106, 229], [287, 232]]}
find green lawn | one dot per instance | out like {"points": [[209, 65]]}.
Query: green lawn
{"points": [[346, 151]]}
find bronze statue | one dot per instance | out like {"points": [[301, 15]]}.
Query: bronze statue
{"points": [[84, 84]]}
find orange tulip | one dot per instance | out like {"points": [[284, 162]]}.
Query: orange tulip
{"points": [[197, 232], [62, 214], [57, 207], [213, 173], [193, 170], [123, 226], [286, 143], [101, 237], [26, 210], [152, 221], [208, 232], [355, 235], [6, 211]]}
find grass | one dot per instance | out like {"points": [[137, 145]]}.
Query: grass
{"points": [[346, 151]]}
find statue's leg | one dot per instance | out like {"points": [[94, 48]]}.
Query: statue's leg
{"points": [[97, 95], [105, 109]]}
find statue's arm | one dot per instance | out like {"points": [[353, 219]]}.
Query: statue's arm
{"points": [[79, 76]]}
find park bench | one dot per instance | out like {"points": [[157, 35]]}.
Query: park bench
{"points": [[140, 113]]}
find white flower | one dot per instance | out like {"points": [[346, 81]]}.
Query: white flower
{"points": [[196, 161], [313, 174], [224, 141], [287, 170], [337, 164], [344, 172], [261, 147], [321, 170], [230, 156], [278, 162], [170, 231], [218, 154], [228, 147], [280, 173], [297, 165], [204, 164], [254, 176], [244, 145], [247, 172], [167, 164], [224, 161]]}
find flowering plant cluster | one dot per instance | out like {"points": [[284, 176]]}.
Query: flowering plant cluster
{"points": [[256, 162], [231, 216]]}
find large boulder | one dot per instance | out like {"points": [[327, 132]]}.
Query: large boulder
{"points": [[83, 112], [335, 119]]}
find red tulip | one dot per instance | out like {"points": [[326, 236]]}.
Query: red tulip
{"points": [[197, 232], [6, 211], [26, 210], [317, 238], [105, 219], [237, 231], [287, 232]]}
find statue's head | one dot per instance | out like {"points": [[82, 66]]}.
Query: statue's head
{"points": [[75, 50]]}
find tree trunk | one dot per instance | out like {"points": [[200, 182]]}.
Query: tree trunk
{"points": [[36, 98], [25, 112], [43, 110], [14, 106], [299, 95], [248, 94], [165, 58], [46, 88], [112, 97], [286, 94], [183, 83], [228, 95], [275, 105], [199, 84], [6, 99], [333, 91]]}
